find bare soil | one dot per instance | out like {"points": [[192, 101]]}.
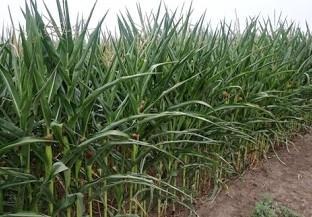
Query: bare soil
{"points": [[289, 184]]}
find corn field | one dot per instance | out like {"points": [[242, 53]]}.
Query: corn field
{"points": [[140, 122]]}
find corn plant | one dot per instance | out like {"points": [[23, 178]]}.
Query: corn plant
{"points": [[139, 122]]}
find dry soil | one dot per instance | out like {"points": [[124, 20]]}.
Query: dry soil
{"points": [[289, 184]]}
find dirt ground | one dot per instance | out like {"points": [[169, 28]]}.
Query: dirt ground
{"points": [[289, 184]]}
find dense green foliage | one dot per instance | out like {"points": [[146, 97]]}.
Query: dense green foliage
{"points": [[142, 122]]}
